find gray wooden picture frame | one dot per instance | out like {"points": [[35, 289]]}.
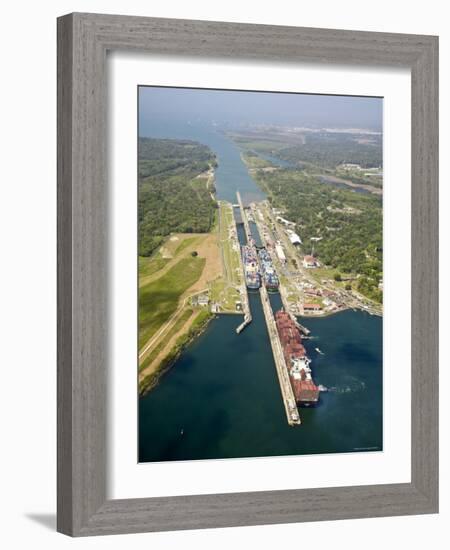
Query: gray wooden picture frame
{"points": [[83, 42]]}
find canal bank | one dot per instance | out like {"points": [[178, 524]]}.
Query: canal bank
{"points": [[221, 399], [231, 174]]}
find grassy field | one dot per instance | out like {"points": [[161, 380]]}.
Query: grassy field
{"points": [[253, 161], [326, 273], [151, 265], [185, 243], [224, 289], [292, 293], [159, 299], [169, 253], [258, 145], [167, 320], [197, 326], [172, 199], [172, 247], [164, 341], [167, 280], [231, 254], [224, 294]]}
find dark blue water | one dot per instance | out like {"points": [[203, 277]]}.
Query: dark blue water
{"points": [[241, 234], [255, 234], [222, 399], [231, 174]]}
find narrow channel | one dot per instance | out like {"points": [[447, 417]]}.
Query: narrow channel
{"points": [[222, 397]]}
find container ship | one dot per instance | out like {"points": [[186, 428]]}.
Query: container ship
{"points": [[305, 390], [251, 267], [269, 275]]}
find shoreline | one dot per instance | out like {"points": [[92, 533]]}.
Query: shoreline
{"points": [[184, 339], [373, 308], [168, 362], [331, 313]]}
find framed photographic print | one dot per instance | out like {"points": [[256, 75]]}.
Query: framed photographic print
{"points": [[247, 259], [241, 248]]}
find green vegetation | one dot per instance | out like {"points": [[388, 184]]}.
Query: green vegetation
{"points": [[289, 286], [329, 150], [165, 340], [198, 326], [171, 196], [224, 290], [185, 243], [345, 227], [221, 292], [158, 300], [231, 255], [252, 160], [149, 266], [324, 149], [259, 144], [356, 176], [367, 287], [162, 156]]}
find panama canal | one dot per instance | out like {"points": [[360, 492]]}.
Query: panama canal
{"points": [[221, 398]]}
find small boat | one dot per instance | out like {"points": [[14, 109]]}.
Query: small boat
{"points": [[319, 351]]}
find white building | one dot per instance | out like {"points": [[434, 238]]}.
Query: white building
{"points": [[310, 262], [349, 166], [293, 237], [202, 300]]}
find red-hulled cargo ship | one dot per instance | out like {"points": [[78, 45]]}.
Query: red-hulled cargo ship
{"points": [[305, 390]]}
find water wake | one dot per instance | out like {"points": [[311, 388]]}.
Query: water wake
{"points": [[352, 387]]}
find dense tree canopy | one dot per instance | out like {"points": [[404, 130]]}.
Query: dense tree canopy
{"points": [[329, 150], [171, 197], [321, 149], [343, 227]]}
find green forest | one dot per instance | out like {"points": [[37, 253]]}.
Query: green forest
{"points": [[171, 196], [329, 150], [344, 227], [326, 150]]}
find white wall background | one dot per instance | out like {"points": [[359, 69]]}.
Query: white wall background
{"points": [[28, 268]]}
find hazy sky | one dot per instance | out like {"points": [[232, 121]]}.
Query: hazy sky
{"points": [[229, 107]]}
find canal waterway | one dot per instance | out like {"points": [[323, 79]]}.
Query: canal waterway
{"points": [[231, 175], [221, 399]]}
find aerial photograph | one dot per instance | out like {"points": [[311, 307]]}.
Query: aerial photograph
{"points": [[260, 270]]}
